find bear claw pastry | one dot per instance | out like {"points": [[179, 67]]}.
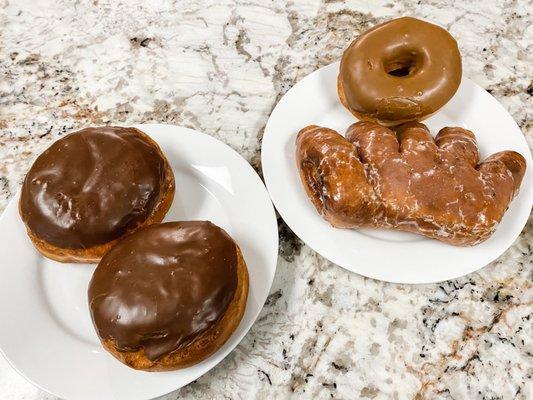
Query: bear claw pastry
{"points": [[402, 178]]}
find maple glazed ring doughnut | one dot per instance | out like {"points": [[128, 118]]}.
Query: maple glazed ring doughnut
{"points": [[169, 295], [92, 187], [402, 70]]}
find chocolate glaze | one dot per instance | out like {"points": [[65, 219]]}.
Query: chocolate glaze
{"points": [[163, 286], [92, 186], [400, 70]]}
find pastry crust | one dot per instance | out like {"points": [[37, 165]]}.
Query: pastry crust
{"points": [[95, 253], [404, 179], [202, 347]]}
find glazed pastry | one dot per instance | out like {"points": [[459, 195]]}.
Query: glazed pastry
{"points": [[169, 295], [404, 179], [402, 70], [92, 187]]}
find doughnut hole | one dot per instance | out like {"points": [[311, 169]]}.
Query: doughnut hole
{"points": [[403, 64]]}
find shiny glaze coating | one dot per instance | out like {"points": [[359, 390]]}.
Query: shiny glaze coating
{"points": [[162, 287], [404, 69], [404, 179], [92, 186]]}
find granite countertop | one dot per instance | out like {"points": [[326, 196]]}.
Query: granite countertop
{"points": [[220, 67]]}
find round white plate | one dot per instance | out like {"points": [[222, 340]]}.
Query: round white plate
{"points": [[45, 327], [379, 254]]}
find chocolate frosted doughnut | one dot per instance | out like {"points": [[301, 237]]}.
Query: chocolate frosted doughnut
{"points": [[90, 188], [169, 295], [402, 70]]}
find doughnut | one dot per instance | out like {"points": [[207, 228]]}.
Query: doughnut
{"points": [[402, 70], [92, 187], [403, 179], [169, 295]]}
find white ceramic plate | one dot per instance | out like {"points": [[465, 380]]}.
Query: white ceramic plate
{"points": [[45, 327], [379, 254]]}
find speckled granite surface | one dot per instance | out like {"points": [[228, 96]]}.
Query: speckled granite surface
{"points": [[219, 67]]}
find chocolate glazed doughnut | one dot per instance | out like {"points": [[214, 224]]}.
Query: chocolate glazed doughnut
{"points": [[402, 70], [90, 188], [169, 295]]}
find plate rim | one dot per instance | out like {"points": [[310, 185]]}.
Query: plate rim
{"points": [[275, 244], [527, 187]]}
